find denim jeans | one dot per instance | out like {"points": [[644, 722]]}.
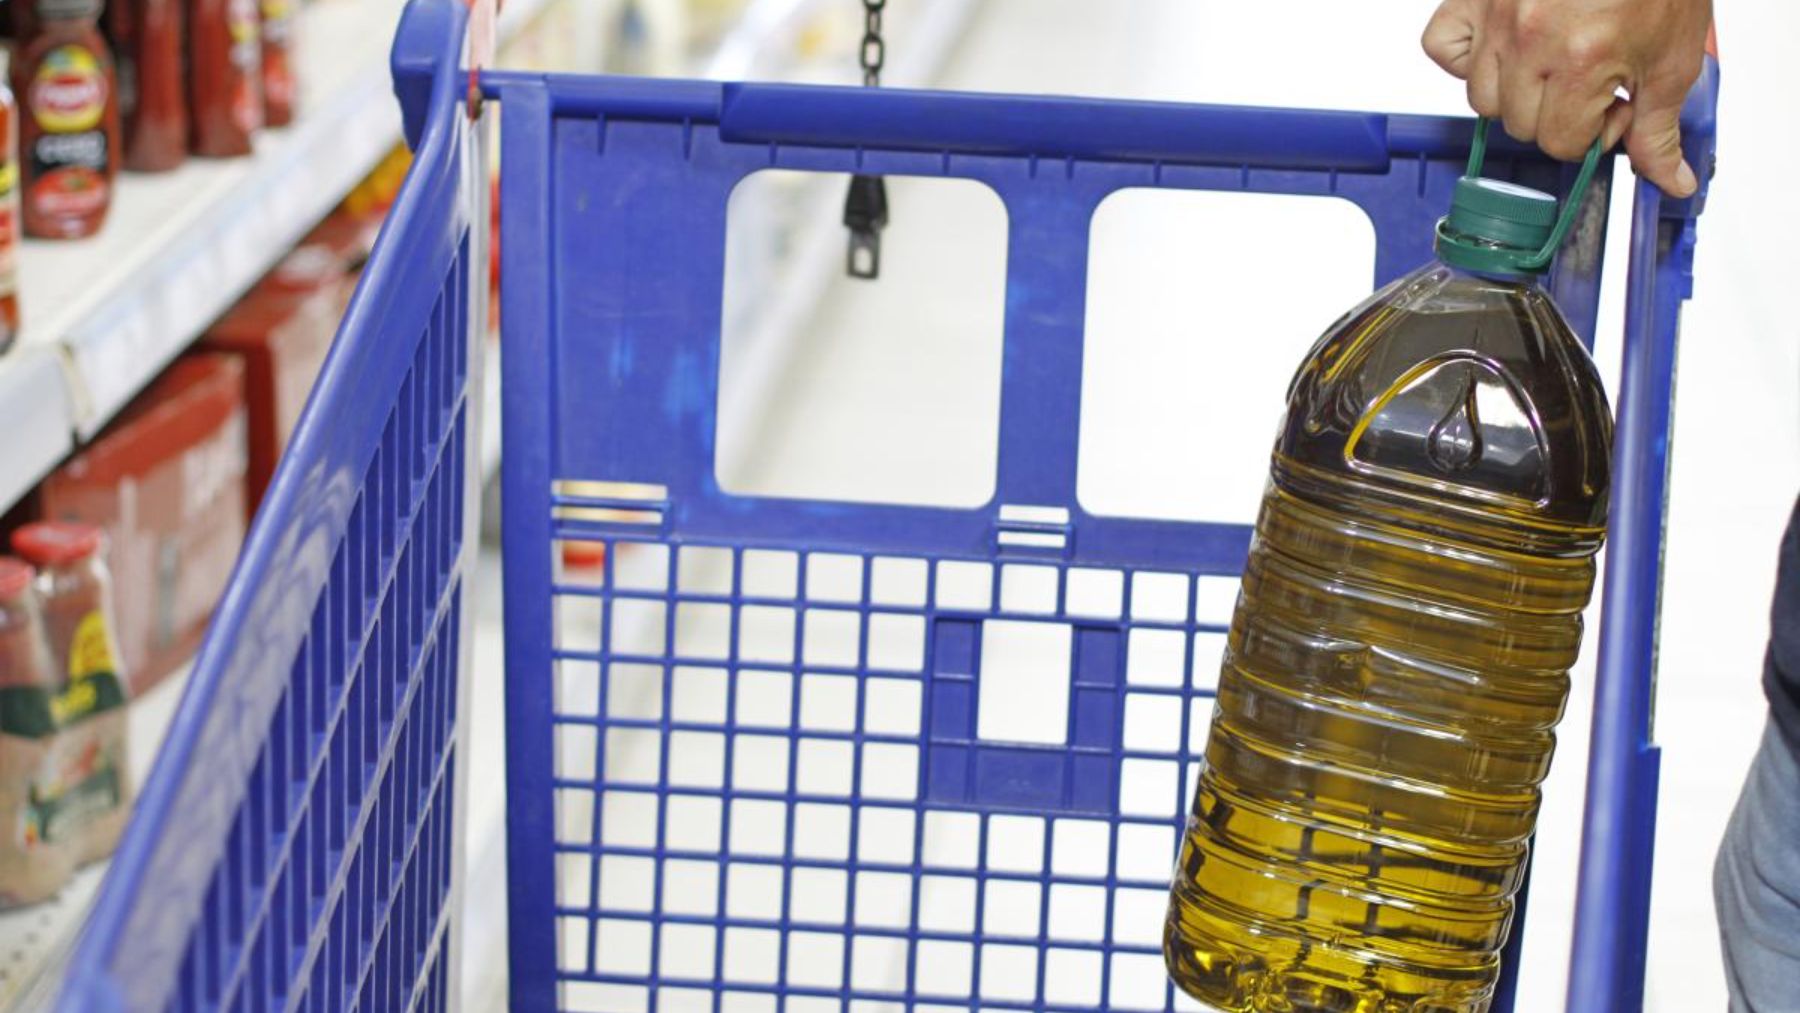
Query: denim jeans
{"points": [[1756, 883]]}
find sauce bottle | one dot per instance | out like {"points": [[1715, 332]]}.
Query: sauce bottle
{"points": [[69, 123], [149, 41], [280, 87], [225, 76], [1400, 652], [9, 208], [92, 754], [33, 866]]}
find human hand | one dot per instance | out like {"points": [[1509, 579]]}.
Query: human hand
{"points": [[1552, 72]]}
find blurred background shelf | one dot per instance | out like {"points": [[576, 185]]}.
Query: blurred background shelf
{"points": [[103, 316]]}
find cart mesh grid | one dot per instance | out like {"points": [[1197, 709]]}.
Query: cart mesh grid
{"points": [[769, 774], [337, 872]]}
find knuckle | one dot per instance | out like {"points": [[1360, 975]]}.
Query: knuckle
{"points": [[1591, 48], [1533, 22]]}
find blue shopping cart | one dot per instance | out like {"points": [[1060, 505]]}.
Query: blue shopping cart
{"points": [[296, 846]]}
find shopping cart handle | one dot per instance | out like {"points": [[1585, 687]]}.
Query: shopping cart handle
{"points": [[484, 17], [976, 123], [429, 31]]}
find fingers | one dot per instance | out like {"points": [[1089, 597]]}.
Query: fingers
{"points": [[1575, 112], [1450, 37], [1653, 140], [1521, 100], [1552, 73], [1484, 82]]}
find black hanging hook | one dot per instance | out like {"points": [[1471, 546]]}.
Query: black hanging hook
{"points": [[865, 214], [866, 205]]}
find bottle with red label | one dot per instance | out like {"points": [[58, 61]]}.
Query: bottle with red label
{"points": [[69, 120], [9, 209], [149, 39], [280, 87], [225, 75]]}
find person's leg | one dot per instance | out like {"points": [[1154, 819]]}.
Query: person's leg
{"points": [[1756, 879], [1756, 884]]}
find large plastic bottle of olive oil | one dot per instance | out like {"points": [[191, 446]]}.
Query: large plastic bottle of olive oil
{"points": [[1399, 655]]}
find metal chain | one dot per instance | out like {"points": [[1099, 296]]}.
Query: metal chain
{"points": [[874, 47], [866, 206]]}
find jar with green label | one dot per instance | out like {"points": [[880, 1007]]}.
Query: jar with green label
{"points": [[32, 867], [92, 788]]}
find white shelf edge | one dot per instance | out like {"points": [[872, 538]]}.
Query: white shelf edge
{"points": [[36, 414]]}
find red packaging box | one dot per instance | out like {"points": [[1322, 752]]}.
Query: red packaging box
{"points": [[166, 482], [282, 331]]}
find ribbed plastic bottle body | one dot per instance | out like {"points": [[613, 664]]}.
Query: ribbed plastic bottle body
{"points": [[1398, 659]]}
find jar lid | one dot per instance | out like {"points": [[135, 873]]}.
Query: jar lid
{"points": [[15, 577], [60, 10], [56, 543]]}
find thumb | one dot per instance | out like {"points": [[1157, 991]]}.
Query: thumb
{"points": [[1450, 37], [1654, 143]]}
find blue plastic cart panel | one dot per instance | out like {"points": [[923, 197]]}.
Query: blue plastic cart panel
{"points": [[767, 776]]}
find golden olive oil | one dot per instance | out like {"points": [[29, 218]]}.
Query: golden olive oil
{"points": [[1398, 659]]}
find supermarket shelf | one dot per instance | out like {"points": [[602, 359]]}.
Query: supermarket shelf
{"points": [[180, 247], [103, 316], [35, 938], [178, 250]]}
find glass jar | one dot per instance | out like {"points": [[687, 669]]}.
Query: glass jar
{"points": [[92, 740], [32, 866]]}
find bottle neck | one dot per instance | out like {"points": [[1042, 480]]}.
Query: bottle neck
{"points": [[1510, 279], [1484, 258]]}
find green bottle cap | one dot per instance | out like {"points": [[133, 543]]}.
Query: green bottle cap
{"points": [[1504, 228]]}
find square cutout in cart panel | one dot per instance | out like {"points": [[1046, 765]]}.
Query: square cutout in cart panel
{"points": [[891, 392], [1197, 316]]}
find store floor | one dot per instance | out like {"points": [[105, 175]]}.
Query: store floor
{"points": [[1195, 322]]}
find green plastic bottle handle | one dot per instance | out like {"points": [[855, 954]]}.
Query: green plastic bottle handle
{"points": [[1577, 193]]}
